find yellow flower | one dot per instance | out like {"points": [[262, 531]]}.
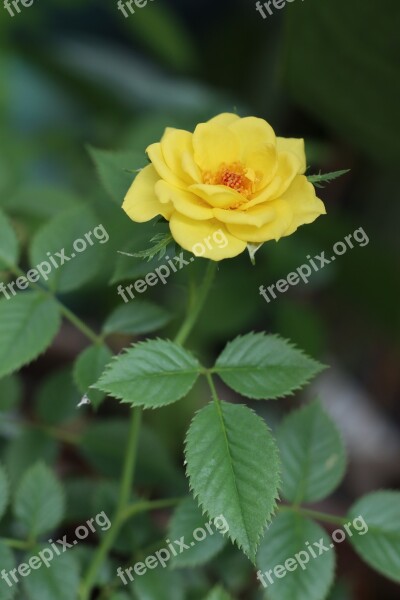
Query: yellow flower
{"points": [[232, 175]]}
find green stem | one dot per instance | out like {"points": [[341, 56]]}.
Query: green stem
{"points": [[199, 301], [16, 544], [123, 500], [314, 514]]}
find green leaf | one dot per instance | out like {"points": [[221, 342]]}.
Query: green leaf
{"points": [[57, 398], [150, 374], [134, 319], [288, 536], [117, 170], [120, 596], [7, 562], [28, 324], [264, 366], [159, 248], [186, 521], [25, 450], [39, 500], [8, 243], [159, 584], [218, 593], [380, 546], [233, 466], [4, 491], [87, 370], [60, 580], [329, 64], [312, 454], [80, 262], [318, 180]]}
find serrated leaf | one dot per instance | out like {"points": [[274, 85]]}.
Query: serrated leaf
{"points": [[318, 180], [117, 170], [264, 367], [87, 370], [289, 535], [150, 374], [39, 501], [380, 546], [233, 466], [218, 593], [28, 324], [4, 491], [312, 454], [185, 521], [8, 243], [7, 562], [159, 584], [60, 581], [77, 266], [136, 318], [159, 248]]}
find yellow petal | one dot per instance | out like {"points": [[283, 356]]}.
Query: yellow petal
{"points": [[285, 174], [219, 196], [175, 144], [224, 119], [257, 216], [253, 133], [184, 202], [214, 145], [303, 202], [263, 162], [296, 147], [141, 203], [209, 239], [190, 168], [273, 230], [157, 158]]}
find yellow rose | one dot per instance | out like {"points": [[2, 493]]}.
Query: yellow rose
{"points": [[232, 175]]}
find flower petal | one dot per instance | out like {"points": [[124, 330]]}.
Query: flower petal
{"points": [[209, 239], [253, 133], [141, 203], [224, 119], [184, 202], [219, 196], [296, 147], [305, 205], [286, 172], [157, 158], [175, 144], [273, 230], [214, 145], [257, 216]]}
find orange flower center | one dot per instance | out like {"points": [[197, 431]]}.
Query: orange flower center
{"points": [[234, 176]]}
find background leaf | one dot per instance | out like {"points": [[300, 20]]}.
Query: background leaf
{"points": [[87, 370], [150, 374], [39, 502], [134, 319], [7, 562], [60, 581], [117, 170], [312, 454], [264, 366], [218, 593], [287, 536], [380, 547], [4, 491], [186, 519], [28, 324], [8, 243], [61, 232], [233, 466]]}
